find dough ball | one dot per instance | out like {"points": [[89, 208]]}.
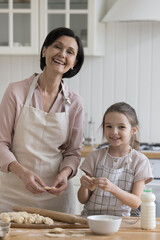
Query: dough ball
{"points": [[39, 219], [56, 230], [18, 219], [26, 218], [47, 220], [5, 217]]}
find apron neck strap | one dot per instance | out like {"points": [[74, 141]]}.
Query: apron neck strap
{"points": [[128, 162], [67, 101], [31, 90], [104, 159]]}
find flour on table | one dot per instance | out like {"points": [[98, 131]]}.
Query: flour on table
{"points": [[57, 235]]}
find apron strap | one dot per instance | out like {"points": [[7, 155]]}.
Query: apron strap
{"points": [[105, 157], [129, 159], [31, 90], [67, 101], [128, 162]]}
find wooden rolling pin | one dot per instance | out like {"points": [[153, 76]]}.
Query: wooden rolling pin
{"points": [[57, 216], [46, 226]]}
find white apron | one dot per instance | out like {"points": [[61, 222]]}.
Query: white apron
{"points": [[36, 142], [103, 202]]}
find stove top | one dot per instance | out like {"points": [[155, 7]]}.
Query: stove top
{"points": [[155, 147]]}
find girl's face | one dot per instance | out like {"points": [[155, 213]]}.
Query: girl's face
{"points": [[117, 129], [61, 54]]}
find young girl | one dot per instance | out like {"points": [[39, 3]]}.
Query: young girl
{"points": [[115, 176]]}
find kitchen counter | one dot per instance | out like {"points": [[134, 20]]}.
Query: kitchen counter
{"points": [[151, 155], [129, 229]]}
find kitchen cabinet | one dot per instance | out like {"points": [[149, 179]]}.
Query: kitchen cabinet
{"points": [[24, 24], [82, 16], [19, 27]]}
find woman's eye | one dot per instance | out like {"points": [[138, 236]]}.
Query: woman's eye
{"points": [[57, 46], [70, 52]]}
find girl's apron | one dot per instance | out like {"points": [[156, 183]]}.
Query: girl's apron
{"points": [[36, 142], [103, 202]]}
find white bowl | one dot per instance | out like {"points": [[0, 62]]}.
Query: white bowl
{"points": [[104, 224], [4, 229]]}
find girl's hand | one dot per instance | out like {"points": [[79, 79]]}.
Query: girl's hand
{"points": [[87, 182], [104, 184]]}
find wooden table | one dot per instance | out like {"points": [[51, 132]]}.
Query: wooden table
{"points": [[129, 230], [87, 149]]}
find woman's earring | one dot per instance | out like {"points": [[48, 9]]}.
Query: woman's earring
{"points": [[71, 68]]}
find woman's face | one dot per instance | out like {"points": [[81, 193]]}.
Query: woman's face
{"points": [[61, 54]]}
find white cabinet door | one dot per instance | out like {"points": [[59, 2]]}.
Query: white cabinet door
{"points": [[24, 24], [82, 16], [19, 27]]}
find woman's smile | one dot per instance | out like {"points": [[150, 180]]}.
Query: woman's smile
{"points": [[58, 61]]}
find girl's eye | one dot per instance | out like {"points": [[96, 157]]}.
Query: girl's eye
{"points": [[122, 127], [108, 126]]}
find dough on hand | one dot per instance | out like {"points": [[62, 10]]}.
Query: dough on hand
{"points": [[94, 186], [48, 188]]}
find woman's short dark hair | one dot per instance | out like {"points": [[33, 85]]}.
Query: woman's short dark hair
{"points": [[53, 36]]}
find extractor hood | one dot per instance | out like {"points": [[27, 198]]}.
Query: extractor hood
{"points": [[133, 10]]}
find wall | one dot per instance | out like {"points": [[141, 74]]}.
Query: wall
{"points": [[129, 71]]}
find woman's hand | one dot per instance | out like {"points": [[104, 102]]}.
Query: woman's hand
{"points": [[61, 182], [31, 181]]}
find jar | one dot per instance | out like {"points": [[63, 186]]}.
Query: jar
{"points": [[148, 210]]}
